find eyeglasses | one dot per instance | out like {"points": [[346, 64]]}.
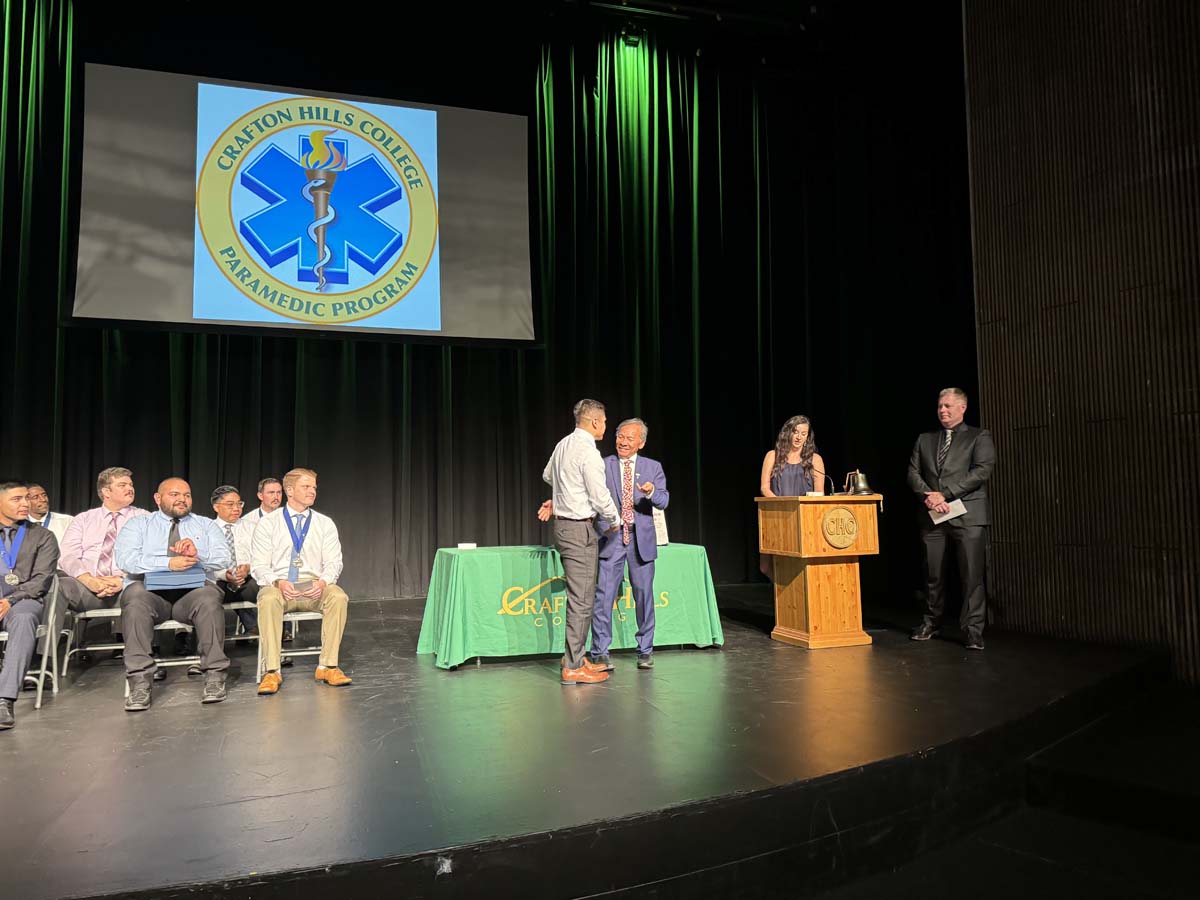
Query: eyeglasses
{"points": [[233, 504]]}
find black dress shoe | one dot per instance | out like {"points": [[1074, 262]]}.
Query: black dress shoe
{"points": [[6, 715], [924, 633], [160, 674], [974, 643]]}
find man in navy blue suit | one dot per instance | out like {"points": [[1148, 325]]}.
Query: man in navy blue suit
{"points": [[638, 486]]}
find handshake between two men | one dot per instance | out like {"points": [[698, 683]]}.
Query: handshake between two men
{"points": [[546, 510]]}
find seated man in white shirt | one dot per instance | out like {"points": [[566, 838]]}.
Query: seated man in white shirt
{"points": [[270, 498], [296, 558], [39, 512]]}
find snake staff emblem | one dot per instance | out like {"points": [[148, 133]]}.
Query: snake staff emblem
{"points": [[321, 165]]}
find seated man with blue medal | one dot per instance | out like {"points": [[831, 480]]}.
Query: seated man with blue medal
{"points": [[296, 558]]}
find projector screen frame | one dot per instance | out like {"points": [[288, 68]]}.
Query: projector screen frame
{"points": [[65, 314]]}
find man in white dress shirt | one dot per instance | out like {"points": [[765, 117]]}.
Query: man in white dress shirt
{"points": [[39, 511], [235, 582], [270, 498], [576, 474], [296, 558]]}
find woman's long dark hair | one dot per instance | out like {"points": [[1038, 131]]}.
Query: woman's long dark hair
{"points": [[783, 446]]}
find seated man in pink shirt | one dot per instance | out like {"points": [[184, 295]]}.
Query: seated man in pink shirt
{"points": [[86, 555]]}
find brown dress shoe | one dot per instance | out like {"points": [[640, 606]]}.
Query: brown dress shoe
{"points": [[583, 675], [270, 683], [332, 676], [588, 665]]}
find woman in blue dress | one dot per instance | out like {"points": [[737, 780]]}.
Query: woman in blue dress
{"points": [[794, 468]]}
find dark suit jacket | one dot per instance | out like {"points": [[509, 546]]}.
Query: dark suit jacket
{"points": [[35, 565], [964, 476], [646, 469]]}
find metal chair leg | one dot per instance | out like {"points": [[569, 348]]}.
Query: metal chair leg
{"points": [[41, 675]]}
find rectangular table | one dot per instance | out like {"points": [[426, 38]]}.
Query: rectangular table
{"points": [[512, 601]]}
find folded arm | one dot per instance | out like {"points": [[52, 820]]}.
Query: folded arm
{"points": [[216, 559], [130, 554]]}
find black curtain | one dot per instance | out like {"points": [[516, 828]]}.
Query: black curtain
{"points": [[730, 227]]}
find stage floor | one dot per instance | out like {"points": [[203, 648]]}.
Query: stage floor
{"points": [[411, 758]]}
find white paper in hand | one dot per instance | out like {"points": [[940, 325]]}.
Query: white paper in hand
{"points": [[957, 508]]}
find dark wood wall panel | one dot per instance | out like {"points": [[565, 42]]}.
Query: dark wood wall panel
{"points": [[1084, 135]]}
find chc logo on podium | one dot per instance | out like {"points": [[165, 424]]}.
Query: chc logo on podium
{"points": [[839, 527], [294, 192]]}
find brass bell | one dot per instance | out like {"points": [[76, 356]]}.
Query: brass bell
{"points": [[856, 483]]}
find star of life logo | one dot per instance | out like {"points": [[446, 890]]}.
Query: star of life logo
{"points": [[317, 210]]}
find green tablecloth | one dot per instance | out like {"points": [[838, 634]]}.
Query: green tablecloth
{"points": [[512, 601]]}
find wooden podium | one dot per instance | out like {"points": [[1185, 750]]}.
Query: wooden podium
{"points": [[816, 542]]}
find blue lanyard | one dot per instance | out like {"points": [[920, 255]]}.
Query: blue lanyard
{"points": [[297, 541], [10, 554]]}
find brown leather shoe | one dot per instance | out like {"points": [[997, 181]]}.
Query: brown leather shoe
{"points": [[270, 683], [583, 675], [588, 665], [332, 676]]}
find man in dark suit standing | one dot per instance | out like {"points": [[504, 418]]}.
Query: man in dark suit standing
{"points": [[952, 464], [638, 486]]}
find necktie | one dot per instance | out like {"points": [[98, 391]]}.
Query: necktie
{"points": [[944, 449], [627, 500], [8, 539], [173, 537], [229, 543], [293, 570], [104, 565]]}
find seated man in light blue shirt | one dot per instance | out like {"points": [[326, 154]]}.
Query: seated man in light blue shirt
{"points": [[177, 544]]}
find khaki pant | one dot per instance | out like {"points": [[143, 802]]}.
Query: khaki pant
{"points": [[271, 607]]}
